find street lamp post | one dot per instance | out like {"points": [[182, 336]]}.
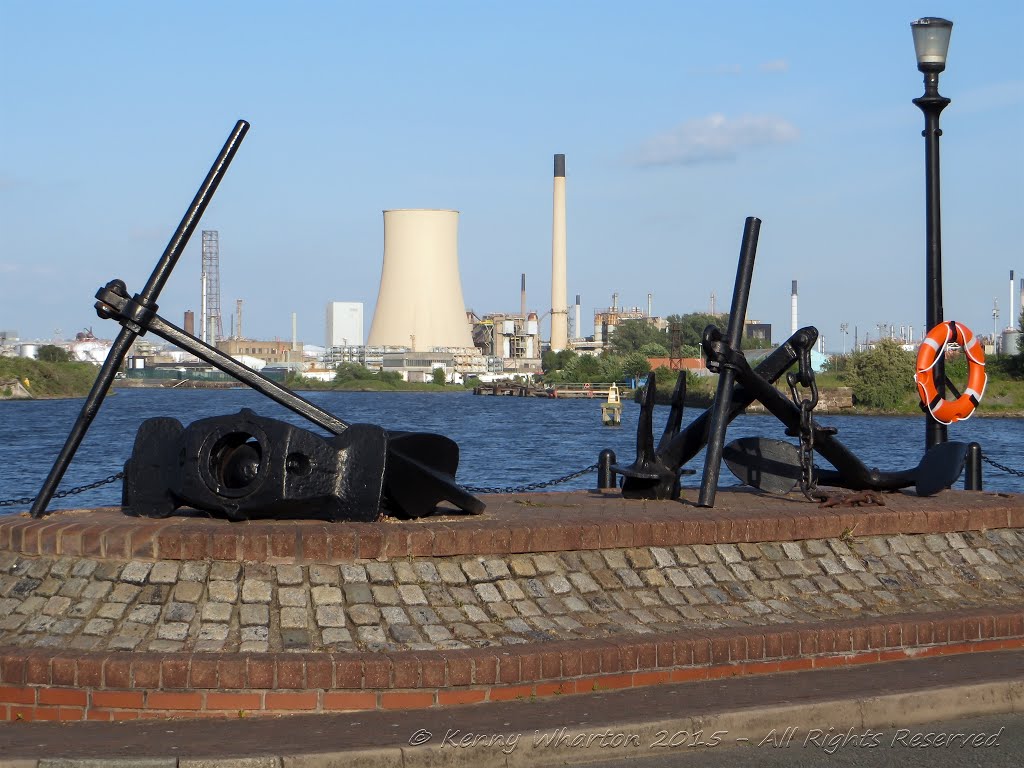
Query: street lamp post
{"points": [[931, 42]]}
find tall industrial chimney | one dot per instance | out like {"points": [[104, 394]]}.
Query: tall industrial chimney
{"points": [[579, 318], [559, 312], [650, 305], [420, 292], [522, 297], [295, 332], [793, 326], [190, 322], [1013, 318]]}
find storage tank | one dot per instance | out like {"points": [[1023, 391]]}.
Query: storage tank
{"points": [[1010, 338], [29, 350], [420, 299]]}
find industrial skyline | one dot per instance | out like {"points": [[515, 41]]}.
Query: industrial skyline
{"points": [[693, 124]]}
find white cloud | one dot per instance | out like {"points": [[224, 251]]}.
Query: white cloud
{"points": [[775, 65], [714, 138]]}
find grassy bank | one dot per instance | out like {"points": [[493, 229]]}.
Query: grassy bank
{"points": [[48, 379]]}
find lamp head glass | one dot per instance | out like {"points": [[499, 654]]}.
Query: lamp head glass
{"points": [[931, 42]]}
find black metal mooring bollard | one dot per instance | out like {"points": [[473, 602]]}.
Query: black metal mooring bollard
{"points": [[972, 477], [605, 475]]}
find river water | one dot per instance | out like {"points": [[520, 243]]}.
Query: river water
{"points": [[504, 441]]}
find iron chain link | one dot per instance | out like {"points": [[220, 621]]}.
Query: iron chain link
{"points": [[997, 465], [805, 378], [531, 486], [27, 500]]}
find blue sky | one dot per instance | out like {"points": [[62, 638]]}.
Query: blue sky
{"points": [[678, 120]]}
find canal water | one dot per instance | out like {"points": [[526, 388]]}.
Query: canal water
{"points": [[504, 441]]}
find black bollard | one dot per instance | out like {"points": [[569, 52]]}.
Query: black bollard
{"points": [[972, 477], [605, 475]]}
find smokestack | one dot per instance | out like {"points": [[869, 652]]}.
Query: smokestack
{"points": [[295, 332], [238, 312], [615, 302], [190, 322], [793, 326], [522, 296], [579, 334], [559, 312], [1012, 320], [650, 306]]}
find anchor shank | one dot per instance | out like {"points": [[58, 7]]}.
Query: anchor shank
{"points": [[727, 376], [233, 368], [689, 442], [147, 299]]}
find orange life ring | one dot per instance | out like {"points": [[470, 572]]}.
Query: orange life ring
{"points": [[932, 349]]}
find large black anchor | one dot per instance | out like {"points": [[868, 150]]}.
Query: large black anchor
{"points": [[244, 466], [771, 465]]}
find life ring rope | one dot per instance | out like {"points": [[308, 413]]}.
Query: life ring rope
{"points": [[934, 344]]}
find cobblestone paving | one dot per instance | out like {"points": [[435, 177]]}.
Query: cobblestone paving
{"points": [[431, 603]]}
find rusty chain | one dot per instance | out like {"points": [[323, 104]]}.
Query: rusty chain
{"points": [[532, 486], [1003, 467], [27, 500]]}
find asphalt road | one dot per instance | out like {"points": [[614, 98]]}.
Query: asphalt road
{"points": [[853, 749]]}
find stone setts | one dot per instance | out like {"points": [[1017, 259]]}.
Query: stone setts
{"points": [[107, 617]]}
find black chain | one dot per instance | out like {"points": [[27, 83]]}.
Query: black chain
{"points": [[805, 377], [27, 500], [997, 465], [531, 486]]}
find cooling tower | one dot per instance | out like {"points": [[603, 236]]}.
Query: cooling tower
{"points": [[419, 304], [559, 311]]}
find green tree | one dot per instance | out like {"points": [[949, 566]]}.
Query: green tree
{"points": [[882, 377], [50, 353], [439, 376], [352, 371], [635, 365], [691, 326], [654, 350], [631, 335], [586, 368], [556, 361]]}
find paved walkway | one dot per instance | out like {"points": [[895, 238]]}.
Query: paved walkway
{"points": [[632, 723]]}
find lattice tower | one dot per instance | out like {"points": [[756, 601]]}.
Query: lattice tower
{"points": [[213, 327]]}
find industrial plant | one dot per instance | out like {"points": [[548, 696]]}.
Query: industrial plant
{"points": [[422, 323]]}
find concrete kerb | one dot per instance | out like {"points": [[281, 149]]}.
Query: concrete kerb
{"points": [[745, 726]]}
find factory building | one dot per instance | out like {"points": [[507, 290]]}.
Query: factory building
{"points": [[605, 320], [344, 326], [514, 339], [286, 353]]}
